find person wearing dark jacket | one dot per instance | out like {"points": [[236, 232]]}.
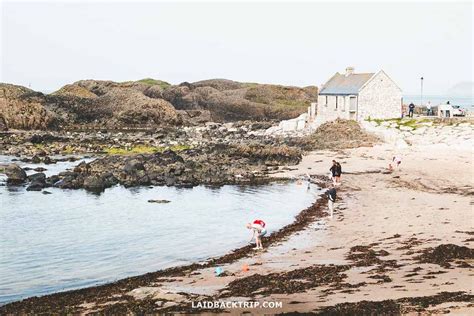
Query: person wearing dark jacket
{"points": [[331, 195], [411, 109], [338, 173], [335, 172]]}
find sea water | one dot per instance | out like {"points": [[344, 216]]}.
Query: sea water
{"points": [[71, 238], [466, 102]]}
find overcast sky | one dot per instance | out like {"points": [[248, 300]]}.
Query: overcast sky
{"points": [[49, 44]]}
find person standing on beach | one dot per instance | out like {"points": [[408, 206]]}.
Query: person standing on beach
{"points": [[411, 109], [338, 173], [258, 229], [428, 108], [331, 194], [333, 171]]}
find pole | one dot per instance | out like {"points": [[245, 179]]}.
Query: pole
{"points": [[421, 98]]}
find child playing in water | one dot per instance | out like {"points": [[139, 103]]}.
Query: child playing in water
{"points": [[258, 228]]}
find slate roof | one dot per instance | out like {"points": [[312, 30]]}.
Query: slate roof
{"points": [[341, 84]]}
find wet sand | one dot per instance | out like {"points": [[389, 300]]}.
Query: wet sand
{"points": [[399, 242]]}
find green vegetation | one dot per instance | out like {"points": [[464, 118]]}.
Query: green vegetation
{"points": [[249, 84], [408, 122], [154, 82], [68, 150], [143, 149]]}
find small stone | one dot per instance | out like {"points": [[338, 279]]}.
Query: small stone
{"points": [[159, 201]]}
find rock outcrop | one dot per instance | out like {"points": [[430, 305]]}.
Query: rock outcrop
{"points": [[23, 108], [213, 165], [149, 102]]}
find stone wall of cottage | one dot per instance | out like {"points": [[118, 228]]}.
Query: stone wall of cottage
{"points": [[380, 98], [329, 109]]}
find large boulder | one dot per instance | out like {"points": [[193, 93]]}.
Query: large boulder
{"points": [[15, 174], [132, 166], [40, 177], [94, 183], [38, 182]]}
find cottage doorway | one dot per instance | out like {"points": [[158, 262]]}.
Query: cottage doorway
{"points": [[352, 107]]}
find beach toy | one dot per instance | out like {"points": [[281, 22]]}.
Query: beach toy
{"points": [[219, 271], [245, 267]]}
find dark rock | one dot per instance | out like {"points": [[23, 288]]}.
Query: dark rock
{"points": [[53, 180], [15, 175], [82, 167], [47, 160], [159, 201], [35, 159], [132, 166], [38, 177], [36, 186], [70, 181], [94, 184], [68, 174]]}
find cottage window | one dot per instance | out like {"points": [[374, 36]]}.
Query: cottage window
{"points": [[326, 103], [335, 109]]}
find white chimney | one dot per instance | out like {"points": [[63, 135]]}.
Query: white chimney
{"points": [[349, 71]]}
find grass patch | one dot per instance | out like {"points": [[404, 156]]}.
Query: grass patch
{"points": [[249, 84], [408, 122], [68, 150], [144, 149], [154, 82]]}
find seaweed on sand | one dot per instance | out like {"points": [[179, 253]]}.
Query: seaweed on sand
{"points": [[294, 281], [444, 254]]}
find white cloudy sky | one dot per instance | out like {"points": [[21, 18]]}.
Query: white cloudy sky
{"points": [[49, 44]]}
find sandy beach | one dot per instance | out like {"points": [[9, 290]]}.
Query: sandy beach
{"points": [[399, 242]]}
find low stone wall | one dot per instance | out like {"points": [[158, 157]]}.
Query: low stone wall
{"points": [[456, 135]]}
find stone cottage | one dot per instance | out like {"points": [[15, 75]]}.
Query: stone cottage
{"points": [[358, 96]]}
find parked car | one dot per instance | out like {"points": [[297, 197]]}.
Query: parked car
{"points": [[458, 111]]}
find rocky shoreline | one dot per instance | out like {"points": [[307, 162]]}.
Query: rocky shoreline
{"points": [[211, 154], [214, 154]]}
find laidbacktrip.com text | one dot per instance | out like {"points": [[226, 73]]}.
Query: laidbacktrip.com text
{"points": [[236, 304]]}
